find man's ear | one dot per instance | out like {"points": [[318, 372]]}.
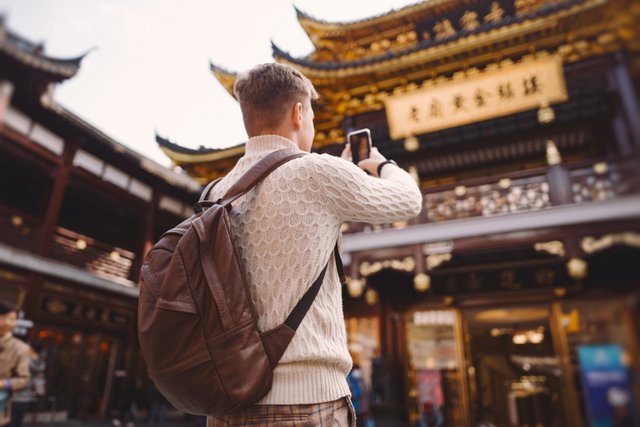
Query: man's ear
{"points": [[296, 115]]}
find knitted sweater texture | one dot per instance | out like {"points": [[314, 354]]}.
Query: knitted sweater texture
{"points": [[286, 229]]}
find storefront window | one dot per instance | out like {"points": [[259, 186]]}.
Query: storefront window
{"points": [[364, 346], [436, 386], [603, 354], [515, 374], [77, 371]]}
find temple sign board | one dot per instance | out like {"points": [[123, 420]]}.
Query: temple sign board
{"points": [[491, 93]]}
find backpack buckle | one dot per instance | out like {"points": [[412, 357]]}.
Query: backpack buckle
{"points": [[202, 206]]}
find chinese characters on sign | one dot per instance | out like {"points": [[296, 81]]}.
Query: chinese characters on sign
{"points": [[522, 279], [84, 312], [489, 94]]}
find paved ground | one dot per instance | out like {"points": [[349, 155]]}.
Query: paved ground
{"points": [[75, 423], [173, 420], [103, 423]]}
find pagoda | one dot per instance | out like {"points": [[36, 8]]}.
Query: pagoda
{"points": [[520, 121], [357, 66]]}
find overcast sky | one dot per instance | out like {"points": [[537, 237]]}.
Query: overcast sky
{"points": [[148, 67]]}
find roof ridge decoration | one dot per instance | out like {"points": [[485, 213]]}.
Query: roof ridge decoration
{"points": [[184, 156], [32, 55], [166, 142], [307, 21], [226, 77], [438, 39]]}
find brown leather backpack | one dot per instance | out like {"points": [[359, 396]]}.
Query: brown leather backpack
{"points": [[196, 322]]}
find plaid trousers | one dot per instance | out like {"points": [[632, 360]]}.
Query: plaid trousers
{"points": [[338, 413]]}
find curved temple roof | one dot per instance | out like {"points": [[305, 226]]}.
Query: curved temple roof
{"points": [[32, 55], [225, 77], [410, 13], [279, 53], [182, 155]]}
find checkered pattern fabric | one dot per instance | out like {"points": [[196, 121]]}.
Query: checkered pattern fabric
{"points": [[338, 413]]}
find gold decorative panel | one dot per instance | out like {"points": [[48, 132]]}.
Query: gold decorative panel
{"points": [[483, 95]]}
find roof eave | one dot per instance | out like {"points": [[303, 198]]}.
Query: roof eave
{"points": [[225, 77]]}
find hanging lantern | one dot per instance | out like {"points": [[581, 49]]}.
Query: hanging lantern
{"points": [[371, 297], [355, 287], [577, 268], [411, 144], [421, 282], [546, 114], [553, 155]]}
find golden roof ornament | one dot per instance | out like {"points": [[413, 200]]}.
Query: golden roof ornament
{"points": [[469, 20], [553, 155], [495, 13], [526, 6], [444, 29]]}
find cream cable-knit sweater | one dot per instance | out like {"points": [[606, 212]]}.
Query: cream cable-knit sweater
{"points": [[286, 229]]}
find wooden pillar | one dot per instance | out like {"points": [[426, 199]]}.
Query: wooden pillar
{"points": [[147, 237], [400, 357], [621, 82], [558, 177], [60, 180], [53, 206], [6, 90]]}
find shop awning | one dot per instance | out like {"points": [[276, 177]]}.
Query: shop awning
{"points": [[27, 261], [557, 216]]}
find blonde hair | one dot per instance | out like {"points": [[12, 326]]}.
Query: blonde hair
{"points": [[267, 92]]}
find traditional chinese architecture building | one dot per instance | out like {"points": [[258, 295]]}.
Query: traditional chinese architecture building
{"points": [[516, 289], [77, 212]]}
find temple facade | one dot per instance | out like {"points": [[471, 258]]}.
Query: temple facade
{"points": [[516, 286], [78, 211]]}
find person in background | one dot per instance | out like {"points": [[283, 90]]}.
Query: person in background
{"points": [[35, 389], [14, 361], [359, 394], [158, 406]]}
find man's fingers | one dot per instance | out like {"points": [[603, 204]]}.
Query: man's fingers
{"points": [[346, 152]]}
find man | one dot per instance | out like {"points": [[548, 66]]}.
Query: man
{"points": [[35, 389], [286, 230], [14, 361]]}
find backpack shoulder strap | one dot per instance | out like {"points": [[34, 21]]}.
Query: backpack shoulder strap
{"points": [[203, 202], [257, 173], [250, 179], [302, 307], [205, 193]]}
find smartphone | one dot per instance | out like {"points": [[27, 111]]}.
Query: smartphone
{"points": [[360, 141]]}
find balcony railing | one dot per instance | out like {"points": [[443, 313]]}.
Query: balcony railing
{"points": [[90, 254], [22, 231], [520, 191]]}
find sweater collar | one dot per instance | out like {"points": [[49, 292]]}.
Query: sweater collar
{"points": [[267, 143]]}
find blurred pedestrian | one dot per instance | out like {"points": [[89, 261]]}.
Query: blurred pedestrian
{"points": [[14, 361], [158, 406], [359, 395], [36, 388]]}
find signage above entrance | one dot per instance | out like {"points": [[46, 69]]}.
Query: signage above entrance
{"points": [[484, 95]]}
